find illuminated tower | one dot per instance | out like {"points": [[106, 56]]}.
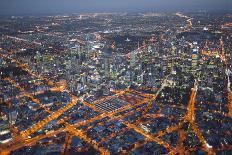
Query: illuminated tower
{"points": [[133, 58], [107, 67], [195, 57], [75, 61], [12, 116], [107, 56], [83, 79], [222, 50]]}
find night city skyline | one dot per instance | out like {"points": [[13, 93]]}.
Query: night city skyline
{"points": [[116, 77]]}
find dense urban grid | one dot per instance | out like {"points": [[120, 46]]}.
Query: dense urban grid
{"points": [[116, 83]]}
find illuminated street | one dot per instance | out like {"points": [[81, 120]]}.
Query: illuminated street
{"points": [[116, 83]]}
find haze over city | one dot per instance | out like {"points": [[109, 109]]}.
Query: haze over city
{"points": [[40, 7]]}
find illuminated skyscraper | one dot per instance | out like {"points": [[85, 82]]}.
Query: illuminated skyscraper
{"points": [[195, 56], [83, 79], [107, 66], [12, 116], [133, 59], [107, 56]]}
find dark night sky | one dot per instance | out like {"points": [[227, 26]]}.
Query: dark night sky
{"points": [[27, 7]]}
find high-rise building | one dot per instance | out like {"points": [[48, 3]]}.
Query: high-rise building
{"points": [[195, 57], [12, 116], [84, 79], [107, 66], [75, 61], [107, 57], [133, 58]]}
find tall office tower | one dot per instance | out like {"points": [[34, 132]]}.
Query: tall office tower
{"points": [[195, 57], [222, 48], [151, 76], [133, 58], [81, 54], [84, 79], [75, 61], [128, 77], [88, 45], [142, 76], [39, 64], [107, 56], [12, 116], [107, 67]]}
